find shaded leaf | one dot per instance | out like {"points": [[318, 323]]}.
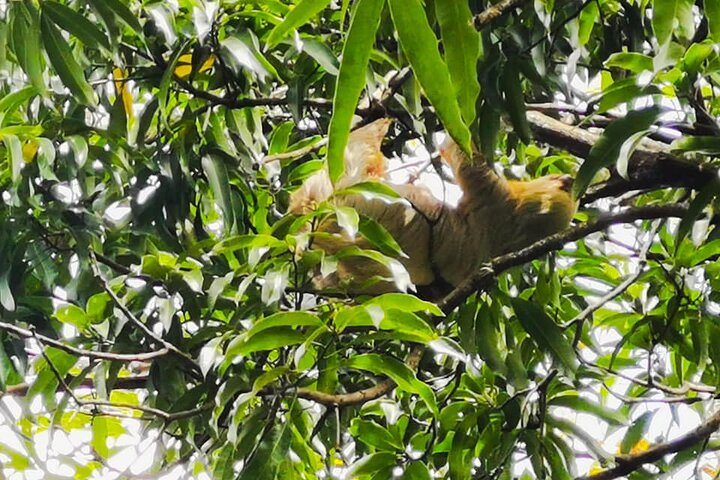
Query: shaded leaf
{"points": [[420, 46], [64, 62], [71, 21], [607, 149], [545, 333], [398, 372]]}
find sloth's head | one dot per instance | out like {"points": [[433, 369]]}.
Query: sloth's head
{"points": [[543, 206]]}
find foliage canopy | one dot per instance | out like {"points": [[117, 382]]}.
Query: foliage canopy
{"points": [[150, 286]]}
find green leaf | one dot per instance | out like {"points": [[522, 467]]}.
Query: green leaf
{"points": [[100, 436], [76, 24], [489, 126], [581, 404], [515, 101], [372, 463], [166, 80], [461, 44], [545, 333], [632, 61], [7, 300], [121, 11], [286, 319], [636, 432], [606, 150], [405, 303], [238, 242], [398, 372], [280, 137], [266, 339], [587, 21], [14, 152], [244, 55], [46, 382], [672, 16], [8, 373], [269, 458], [712, 13], [376, 234], [348, 220], [708, 145], [373, 435], [351, 80], [377, 189], [694, 57], [420, 46], [217, 175], [623, 91], [416, 471], [703, 198], [298, 16], [63, 61], [322, 54], [12, 100], [73, 315], [25, 42]]}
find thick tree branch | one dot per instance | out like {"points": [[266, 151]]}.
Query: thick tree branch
{"points": [[629, 463], [651, 165]]}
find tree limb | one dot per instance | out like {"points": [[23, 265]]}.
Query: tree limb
{"points": [[494, 11], [629, 463], [651, 165]]}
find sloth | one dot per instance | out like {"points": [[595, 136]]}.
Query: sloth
{"points": [[442, 244]]}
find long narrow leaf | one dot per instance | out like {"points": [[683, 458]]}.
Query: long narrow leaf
{"points": [[420, 46], [71, 21], [607, 149], [462, 50], [545, 332], [64, 63], [298, 16], [351, 79]]}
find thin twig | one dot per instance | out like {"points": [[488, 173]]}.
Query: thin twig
{"points": [[143, 328], [117, 357]]}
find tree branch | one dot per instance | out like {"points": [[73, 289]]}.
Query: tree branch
{"points": [[121, 383], [651, 165], [117, 357], [364, 395], [629, 463], [494, 11]]}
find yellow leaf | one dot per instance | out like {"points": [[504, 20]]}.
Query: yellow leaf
{"points": [[29, 149], [641, 446], [121, 87], [713, 472], [184, 68]]}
